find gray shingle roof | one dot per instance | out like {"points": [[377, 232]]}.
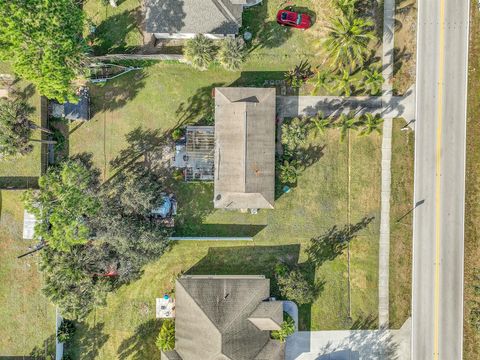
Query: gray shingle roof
{"points": [[212, 318], [244, 148], [193, 16]]}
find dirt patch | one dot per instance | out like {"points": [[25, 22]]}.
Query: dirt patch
{"points": [[404, 45]]}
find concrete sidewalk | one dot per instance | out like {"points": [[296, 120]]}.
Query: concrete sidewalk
{"points": [[396, 106]]}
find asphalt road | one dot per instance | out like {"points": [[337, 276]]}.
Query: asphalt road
{"points": [[437, 306]]}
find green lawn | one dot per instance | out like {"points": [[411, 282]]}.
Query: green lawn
{"points": [[401, 231], [123, 329], [341, 185], [27, 317]]}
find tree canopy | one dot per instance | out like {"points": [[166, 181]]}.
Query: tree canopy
{"points": [[43, 40], [63, 205], [15, 128]]}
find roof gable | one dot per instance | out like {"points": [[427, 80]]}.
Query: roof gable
{"points": [[244, 148], [226, 302]]}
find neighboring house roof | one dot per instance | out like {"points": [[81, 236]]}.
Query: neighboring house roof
{"points": [[193, 16], [244, 148], [212, 319]]}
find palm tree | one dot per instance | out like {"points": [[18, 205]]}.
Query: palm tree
{"points": [[348, 39], [232, 53], [371, 123], [346, 6], [321, 123], [345, 123], [200, 51], [321, 80], [372, 80], [16, 128], [344, 83]]}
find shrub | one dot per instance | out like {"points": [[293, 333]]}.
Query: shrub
{"points": [[294, 286], [177, 134], [178, 174], [166, 337], [66, 330], [232, 53], [297, 76], [288, 172], [294, 134], [200, 51], [287, 328]]}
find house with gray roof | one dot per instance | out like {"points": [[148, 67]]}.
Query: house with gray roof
{"points": [[244, 160], [225, 318], [183, 19]]}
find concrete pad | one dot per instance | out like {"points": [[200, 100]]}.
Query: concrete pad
{"points": [[350, 344]]}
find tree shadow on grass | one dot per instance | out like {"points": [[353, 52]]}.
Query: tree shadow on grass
{"points": [[89, 339], [199, 108], [116, 93], [44, 351], [195, 201], [247, 260], [141, 345], [111, 35], [143, 147], [266, 33], [333, 243]]}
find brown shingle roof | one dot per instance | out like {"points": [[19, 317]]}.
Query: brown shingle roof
{"points": [[244, 148], [212, 318]]}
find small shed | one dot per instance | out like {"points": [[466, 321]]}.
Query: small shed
{"points": [[71, 111], [29, 221]]}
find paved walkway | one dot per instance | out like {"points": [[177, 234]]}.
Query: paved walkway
{"points": [[350, 344], [384, 246], [394, 106]]}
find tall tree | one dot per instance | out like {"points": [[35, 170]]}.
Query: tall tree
{"points": [[348, 39], [344, 82], [345, 123], [371, 123], [321, 122], [16, 128], [321, 80], [43, 40], [372, 80], [200, 51], [69, 284], [232, 53], [64, 204]]}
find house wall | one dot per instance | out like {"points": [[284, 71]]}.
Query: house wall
{"points": [[191, 35]]}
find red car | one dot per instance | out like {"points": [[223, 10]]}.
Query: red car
{"points": [[294, 19]]}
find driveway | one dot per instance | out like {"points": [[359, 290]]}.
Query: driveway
{"points": [[350, 344], [292, 106]]}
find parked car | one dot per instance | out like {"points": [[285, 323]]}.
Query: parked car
{"points": [[294, 19]]}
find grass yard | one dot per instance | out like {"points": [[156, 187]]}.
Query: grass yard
{"points": [[126, 327], [471, 344], [401, 231], [27, 317]]}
